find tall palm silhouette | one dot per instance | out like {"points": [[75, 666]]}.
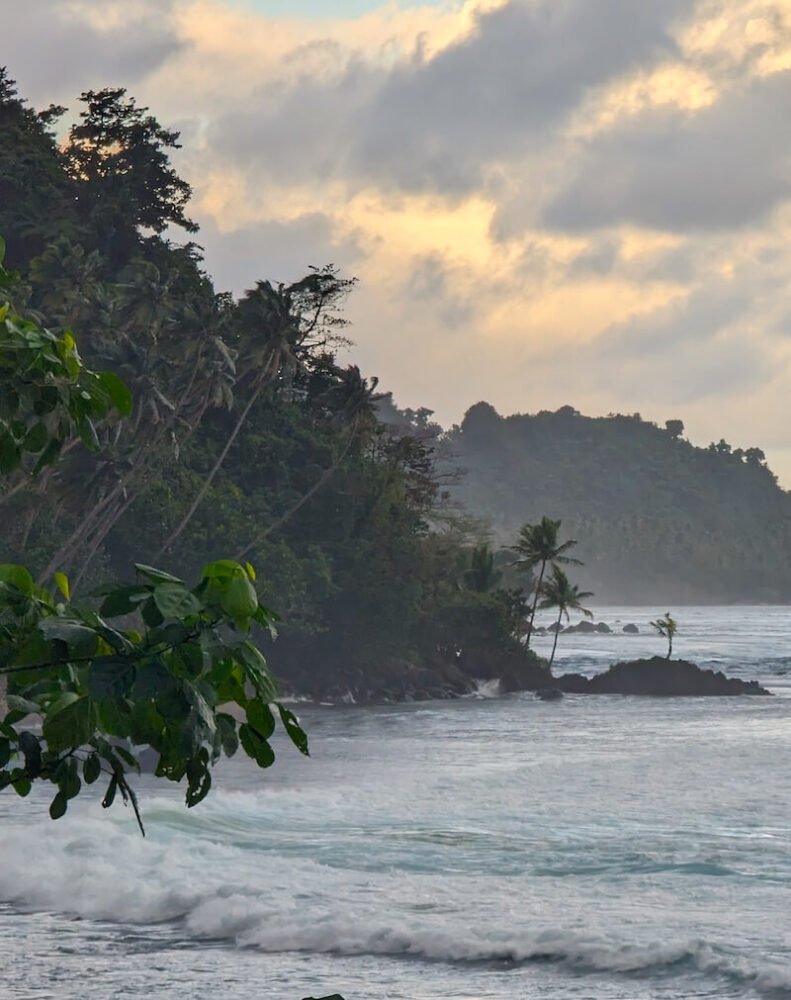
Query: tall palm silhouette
{"points": [[538, 545], [559, 592]]}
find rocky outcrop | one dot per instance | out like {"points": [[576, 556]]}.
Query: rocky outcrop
{"points": [[631, 629], [659, 677], [588, 628]]}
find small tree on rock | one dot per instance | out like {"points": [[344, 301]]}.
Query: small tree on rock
{"points": [[667, 627]]}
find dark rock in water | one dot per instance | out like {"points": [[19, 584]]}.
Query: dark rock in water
{"points": [[631, 629], [549, 694], [583, 626], [555, 627], [540, 630], [517, 669], [659, 677], [604, 628]]}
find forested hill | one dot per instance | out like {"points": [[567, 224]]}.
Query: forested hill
{"points": [[657, 519]]}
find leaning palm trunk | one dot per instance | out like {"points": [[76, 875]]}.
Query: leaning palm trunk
{"points": [[206, 484], [535, 604], [555, 641], [326, 475]]}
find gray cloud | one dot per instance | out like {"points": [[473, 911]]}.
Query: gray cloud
{"points": [[54, 52], [437, 124], [724, 167]]}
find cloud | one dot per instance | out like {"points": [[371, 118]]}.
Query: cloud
{"points": [[58, 49], [437, 124], [723, 167]]}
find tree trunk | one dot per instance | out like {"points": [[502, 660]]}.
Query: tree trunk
{"points": [[555, 643], [213, 472], [535, 603]]}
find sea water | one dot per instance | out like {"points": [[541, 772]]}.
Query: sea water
{"points": [[597, 847]]}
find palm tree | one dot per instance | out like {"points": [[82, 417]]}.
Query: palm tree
{"points": [[559, 592], [538, 545], [667, 627]]}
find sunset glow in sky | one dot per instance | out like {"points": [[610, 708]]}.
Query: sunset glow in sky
{"points": [[545, 201]]}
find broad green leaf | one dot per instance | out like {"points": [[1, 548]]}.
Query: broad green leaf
{"points": [[18, 577], [91, 769], [226, 724], [175, 601], [117, 390], [36, 438], [238, 598], [30, 748], [111, 677], [81, 640], [256, 746], [69, 726], [58, 806], [295, 731], [261, 718], [123, 601]]}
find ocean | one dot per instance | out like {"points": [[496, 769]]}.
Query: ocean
{"points": [[597, 847]]}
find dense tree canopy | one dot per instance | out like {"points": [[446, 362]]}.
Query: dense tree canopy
{"points": [[247, 435]]}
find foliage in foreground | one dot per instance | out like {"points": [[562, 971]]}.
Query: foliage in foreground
{"points": [[163, 677], [156, 664]]}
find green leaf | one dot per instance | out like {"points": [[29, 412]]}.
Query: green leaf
{"points": [[91, 769], [152, 616], [30, 748], [58, 806], [36, 438], [111, 677], [22, 786], [49, 456], [295, 731], [175, 601], [156, 575], [5, 752], [255, 746], [62, 583], [123, 601], [81, 640], [261, 718], [18, 577], [69, 723], [10, 455], [109, 796], [117, 390], [238, 598]]}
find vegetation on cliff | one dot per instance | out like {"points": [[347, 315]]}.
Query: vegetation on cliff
{"points": [[247, 435], [658, 519]]}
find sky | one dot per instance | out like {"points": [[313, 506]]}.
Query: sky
{"points": [[546, 202]]}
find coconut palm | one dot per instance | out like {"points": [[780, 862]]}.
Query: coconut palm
{"points": [[559, 592], [667, 627], [538, 545]]}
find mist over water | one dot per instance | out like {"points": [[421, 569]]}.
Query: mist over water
{"points": [[600, 846]]}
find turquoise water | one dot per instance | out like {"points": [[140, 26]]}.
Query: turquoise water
{"points": [[598, 847]]}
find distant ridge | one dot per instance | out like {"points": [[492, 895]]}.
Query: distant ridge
{"points": [[657, 519]]}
